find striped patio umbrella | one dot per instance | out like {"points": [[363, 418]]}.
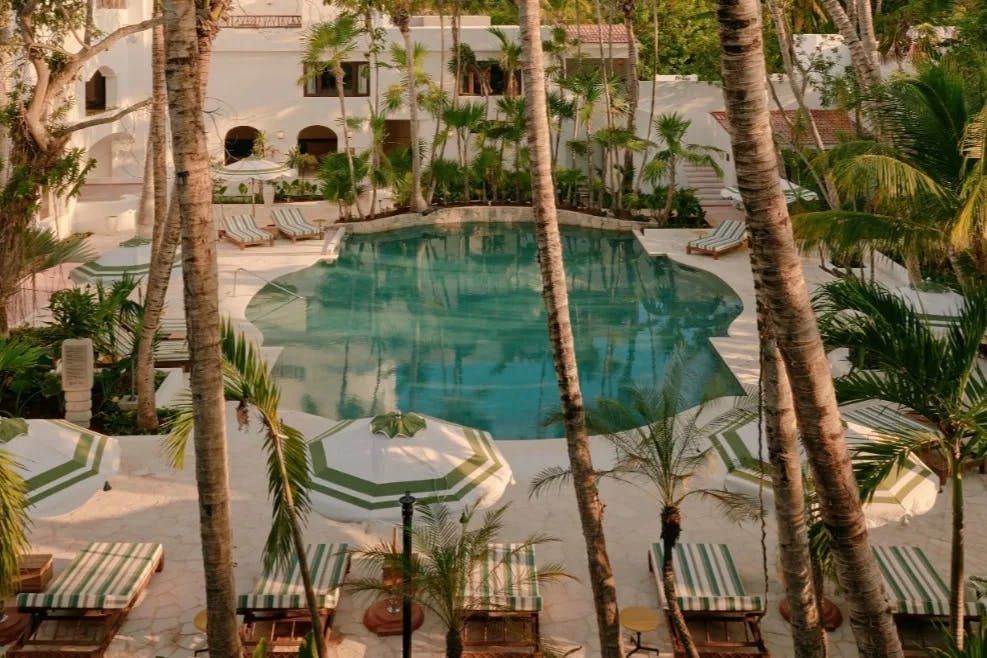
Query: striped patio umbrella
{"points": [[63, 464], [358, 474], [132, 257], [906, 492]]}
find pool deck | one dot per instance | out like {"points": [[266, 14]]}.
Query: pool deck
{"points": [[151, 502]]}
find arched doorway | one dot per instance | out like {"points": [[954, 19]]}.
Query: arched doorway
{"points": [[317, 141], [115, 158], [101, 90], [239, 143]]}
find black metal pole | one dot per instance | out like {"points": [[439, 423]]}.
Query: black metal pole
{"points": [[407, 510]]}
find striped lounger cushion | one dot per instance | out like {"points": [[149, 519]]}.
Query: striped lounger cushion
{"points": [[705, 579], [283, 590], [290, 221], [103, 576], [506, 580], [727, 235], [244, 229], [912, 583]]}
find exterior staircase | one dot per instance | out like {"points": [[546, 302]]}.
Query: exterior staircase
{"points": [[707, 186]]}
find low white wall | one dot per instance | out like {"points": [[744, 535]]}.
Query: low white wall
{"points": [[467, 214]]}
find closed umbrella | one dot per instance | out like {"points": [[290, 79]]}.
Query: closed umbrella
{"points": [[360, 474], [62, 464]]}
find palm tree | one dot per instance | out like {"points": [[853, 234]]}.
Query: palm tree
{"points": [[556, 299], [923, 184], [670, 130], [781, 290], [509, 60], [401, 17], [936, 375], [184, 68], [666, 450], [560, 109], [248, 381], [327, 47], [447, 551], [13, 502], [465, 120]]}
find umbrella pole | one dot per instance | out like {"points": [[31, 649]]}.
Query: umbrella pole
{"points": [[407, 509]]}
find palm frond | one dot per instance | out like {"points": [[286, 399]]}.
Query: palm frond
{"points": [[14, 522]]}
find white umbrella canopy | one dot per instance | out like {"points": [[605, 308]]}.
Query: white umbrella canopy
{"points": [[906, 492], [131, 258], [252, 169], [360, 475], [791, 191], [63, 464]]}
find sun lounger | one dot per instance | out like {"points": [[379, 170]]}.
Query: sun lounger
{"points": [[503, 599], [728, 235], [242, 231], [722, 618], [276, 609], [293, 226], [85, 605], [918, 595]]}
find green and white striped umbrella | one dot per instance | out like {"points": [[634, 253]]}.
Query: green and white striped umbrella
{"points": [[358, 474], [906, 492], [63, 464], [131, 258]]}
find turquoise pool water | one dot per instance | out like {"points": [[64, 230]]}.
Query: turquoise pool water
{"points": [[450, 322]]}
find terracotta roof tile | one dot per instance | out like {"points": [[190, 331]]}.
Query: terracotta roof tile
{"points": [[592, 33], [835, 126]]}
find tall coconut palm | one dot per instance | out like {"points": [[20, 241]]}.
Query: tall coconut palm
{"points": [[248, 381], [628, 10], [448, 549], [936, 374], [556, 299], [184, 66], [780, 285], [327, 46], [165, 237], [401, 17], [670, 130], [666, 450]]}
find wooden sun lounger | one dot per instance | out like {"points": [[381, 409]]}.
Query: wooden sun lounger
{"points": [[724, 621], [505, 603], [242, 231], [276, 610], [727, 236], [292, 225], [85, 606]]}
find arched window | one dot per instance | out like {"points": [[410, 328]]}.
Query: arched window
{"points": [[96, 92], [317, 141], [239, 143]]}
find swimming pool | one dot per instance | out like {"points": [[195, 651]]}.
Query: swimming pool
{"points": [[449, 321]]}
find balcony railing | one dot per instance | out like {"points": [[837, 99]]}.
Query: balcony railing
{"points": [[257, 21]]}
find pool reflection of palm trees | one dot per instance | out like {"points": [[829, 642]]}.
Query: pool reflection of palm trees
{"points": [[451, 323]]}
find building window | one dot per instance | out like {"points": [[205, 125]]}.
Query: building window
{"points": [[356, 80], [96, 93], [488, 79]]}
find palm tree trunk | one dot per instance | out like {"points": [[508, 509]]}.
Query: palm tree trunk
{"points": [[145, 207], [780, 287], [454, 643], [632, 88], [193, 193], [671, 528], [808, 635], [337, 72], [654, 94], [417, 202], [666, 213], [167, 233], [556, 299], [957, 604], [864, 63]]}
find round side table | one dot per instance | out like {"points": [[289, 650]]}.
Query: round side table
{"points": [[639, 619], [200, 623]]}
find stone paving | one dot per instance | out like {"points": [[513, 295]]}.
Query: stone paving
{"points": [[151, 502]]}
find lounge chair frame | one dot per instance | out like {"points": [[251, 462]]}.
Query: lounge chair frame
{"points": [[231, 232], [702, 245], [717, 633], [90, 629]]}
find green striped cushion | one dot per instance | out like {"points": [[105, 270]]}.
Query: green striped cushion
{"points": [[912, 583], [292, 222], [102, 576], [506, 580], [283, 590], [705, 579], [244, 229], [728, 234]]}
